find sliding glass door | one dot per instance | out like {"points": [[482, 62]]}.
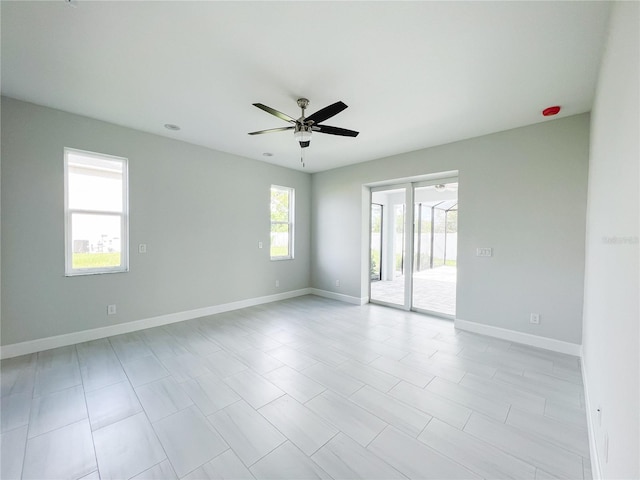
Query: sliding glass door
{"points": [[388, 245], [413, 247], [435, 248]]}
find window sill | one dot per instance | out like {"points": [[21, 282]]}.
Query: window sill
{"points": [[94, 272]]}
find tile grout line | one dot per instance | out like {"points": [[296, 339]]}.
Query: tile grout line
{"points": [[86, 406], [141, 406]]}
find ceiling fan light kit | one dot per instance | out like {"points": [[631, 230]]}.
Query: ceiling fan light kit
{"points": [[303, 127], [302, 134]]}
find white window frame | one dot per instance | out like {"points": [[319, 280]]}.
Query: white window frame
{"points": [[291, 217], [124, 217]]}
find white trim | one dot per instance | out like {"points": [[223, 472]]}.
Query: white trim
{"points": [[552, 344], [291, 217], [397, 306], [428, 179], [122, 214], [32, 346], [339, 296], [596, 473]]}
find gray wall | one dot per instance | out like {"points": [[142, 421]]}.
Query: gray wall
{"points": [[200, 212], [522, 192], [611, 313]]}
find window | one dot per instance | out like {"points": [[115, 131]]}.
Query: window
{"points": [[281, 222], [96, 213]]}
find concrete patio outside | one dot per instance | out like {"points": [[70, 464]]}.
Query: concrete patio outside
{"points": [[433, 290]]}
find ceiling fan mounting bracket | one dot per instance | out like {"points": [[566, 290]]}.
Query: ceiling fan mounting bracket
{"points": [[303, 103]]}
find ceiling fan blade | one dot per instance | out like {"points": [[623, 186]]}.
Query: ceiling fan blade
{"points": [[336, 131], [278, 114], [271, 130], [326, 112]]}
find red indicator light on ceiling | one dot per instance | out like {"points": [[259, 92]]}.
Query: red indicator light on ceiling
{"points": [[550, 111]]}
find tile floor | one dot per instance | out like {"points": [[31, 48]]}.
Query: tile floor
{"points": [[303, 388]]}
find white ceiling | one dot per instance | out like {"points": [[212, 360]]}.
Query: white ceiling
{"points": [[414, 74]]}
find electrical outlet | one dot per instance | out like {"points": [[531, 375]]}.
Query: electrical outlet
{"points": [[259, 244], [337, 283], [277, 283], [534, 318], [111, 309], [142, 248], [484, 252]]}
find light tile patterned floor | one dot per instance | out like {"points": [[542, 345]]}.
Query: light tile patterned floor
{"points": [[303, 388]]}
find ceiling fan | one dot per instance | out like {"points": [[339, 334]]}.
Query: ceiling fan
{"points": [[303, 127]]}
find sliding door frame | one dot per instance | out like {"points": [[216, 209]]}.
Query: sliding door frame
{"points": [[409, 234]]}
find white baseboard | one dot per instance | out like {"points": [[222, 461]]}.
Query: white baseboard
{"points": [[32, 346], [552, 344], [593, 448], [339, 296]]}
